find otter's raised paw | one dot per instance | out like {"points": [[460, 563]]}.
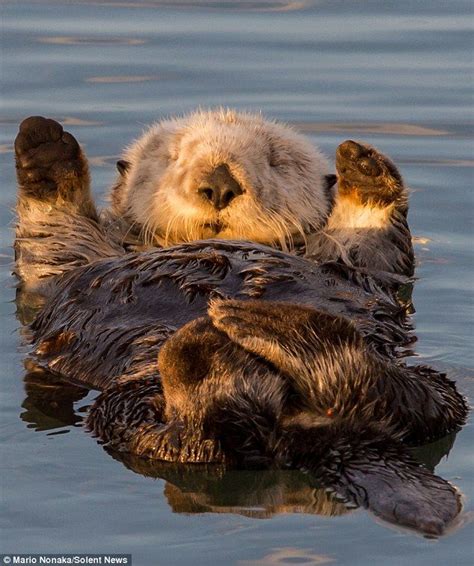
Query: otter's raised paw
{"points": [[49, 161], [367, 175]]}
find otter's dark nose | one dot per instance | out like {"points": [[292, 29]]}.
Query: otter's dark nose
{"points": [[219, 188]]}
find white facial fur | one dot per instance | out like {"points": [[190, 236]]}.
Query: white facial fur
{"points": [[281, 174]]}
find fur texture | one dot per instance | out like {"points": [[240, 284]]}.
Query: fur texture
{"points": [[240, 406], [248, 382], [281, 175], [220, 174], [368, 224]]}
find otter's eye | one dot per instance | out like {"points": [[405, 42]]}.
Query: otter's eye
{"points": [[122, 166]]}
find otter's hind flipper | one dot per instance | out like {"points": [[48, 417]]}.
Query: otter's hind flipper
{"points": [[371, 469], [403, 493]]}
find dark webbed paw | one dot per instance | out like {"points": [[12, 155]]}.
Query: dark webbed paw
{"points": [[48, 160], [289, 336], [406, 494], [367, 175], [284, 323]]}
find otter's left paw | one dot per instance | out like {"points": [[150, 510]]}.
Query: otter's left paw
{"points": [[367, 175]]}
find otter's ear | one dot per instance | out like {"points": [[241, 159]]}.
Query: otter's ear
{"points": [[123, 166], [329, 181]]}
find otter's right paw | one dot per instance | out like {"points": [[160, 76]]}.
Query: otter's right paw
{"points": [[367, 175], [48, 160]]}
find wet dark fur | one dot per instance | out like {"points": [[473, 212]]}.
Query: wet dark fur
{"points": [[265, 360], [216, 395]]}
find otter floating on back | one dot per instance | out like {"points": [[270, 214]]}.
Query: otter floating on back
{"points": [[265, 359]]}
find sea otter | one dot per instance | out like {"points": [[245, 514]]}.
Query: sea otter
{"points": [[264, 358], [216, 174]]}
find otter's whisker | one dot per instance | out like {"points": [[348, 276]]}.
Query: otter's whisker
{"points": [[279, 227]]}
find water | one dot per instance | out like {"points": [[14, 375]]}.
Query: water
{"points": [[397, 74]]}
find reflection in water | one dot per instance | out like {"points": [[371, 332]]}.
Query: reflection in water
{"points": [[74, 121], [49, 402], [125, 79], [239, 5], [290, 555], [438, 162], [200, 488]]}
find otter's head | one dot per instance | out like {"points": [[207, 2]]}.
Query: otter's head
{"points": [[223, 174]]}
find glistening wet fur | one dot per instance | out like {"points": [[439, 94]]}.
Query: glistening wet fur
{"points": [[249, 385]]}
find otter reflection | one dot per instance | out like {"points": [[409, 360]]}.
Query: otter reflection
{"points": [[259, 494], [49, 401]]}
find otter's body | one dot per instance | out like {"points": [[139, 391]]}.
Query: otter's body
{"points": [[134, 303], [254, 382], [231, 352]]}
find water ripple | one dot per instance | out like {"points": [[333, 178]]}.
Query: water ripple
{"points": [[388, 128], [71, 40]]}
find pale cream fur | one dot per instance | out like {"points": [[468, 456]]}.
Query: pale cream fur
{"points": [[350, 214], [286, 201], [280, 172]]}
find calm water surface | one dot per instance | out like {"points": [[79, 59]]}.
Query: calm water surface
{"points": [[397, 74]]}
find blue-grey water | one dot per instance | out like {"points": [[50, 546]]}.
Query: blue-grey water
{"points": [[397, 74]]}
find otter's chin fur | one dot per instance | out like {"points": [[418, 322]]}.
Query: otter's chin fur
{"points": [[222, 174]]}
